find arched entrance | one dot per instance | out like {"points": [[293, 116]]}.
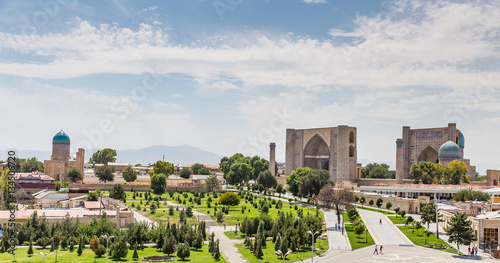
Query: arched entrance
{"points": [[429, 154], [317, 154]]}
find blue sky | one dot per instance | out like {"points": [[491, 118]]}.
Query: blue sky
{"points": [[231, 75]]}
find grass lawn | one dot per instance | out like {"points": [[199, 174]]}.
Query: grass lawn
{"points": [[235, 214], [269, 256], [418, 238], [88, 256], [364, 240], [376, 210], [232, 235], [397, 220]]}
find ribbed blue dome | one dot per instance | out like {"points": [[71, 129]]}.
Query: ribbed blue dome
{"points": [[450, 149], [61, 137], [461, 139]]}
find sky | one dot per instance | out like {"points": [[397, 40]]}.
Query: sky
{"points": [[231, 76]]}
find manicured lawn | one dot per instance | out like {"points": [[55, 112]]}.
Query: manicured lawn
{"points": [[235, 214], [88, 256], [418, 238], [364, 240], [232, 235], [376, 210], [397, 220], [269, 255]]}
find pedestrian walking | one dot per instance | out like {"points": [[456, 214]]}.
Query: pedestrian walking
{"points": [[469, 251], [380, 222], [475, 248], [376, 249], [381, 246], [336, 226]]}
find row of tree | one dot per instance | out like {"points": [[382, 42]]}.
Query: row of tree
{"points": [[239, 169], [435, 173]]}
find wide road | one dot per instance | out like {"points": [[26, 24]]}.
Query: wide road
{"points": [[386, 233]]}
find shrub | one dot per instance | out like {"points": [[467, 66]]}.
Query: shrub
{"points": [[229, 198]]}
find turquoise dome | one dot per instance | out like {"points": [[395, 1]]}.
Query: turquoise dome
{"points": [[461, 139], [61, 137], [450, 149]]}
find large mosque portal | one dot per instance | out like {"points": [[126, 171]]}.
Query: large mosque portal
{"points": [[429, 154], [316, 154]]}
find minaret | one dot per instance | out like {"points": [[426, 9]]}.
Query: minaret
{"points": [[272, 158]]}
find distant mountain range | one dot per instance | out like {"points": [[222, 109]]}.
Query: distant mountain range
{"points": [[174, 154]]}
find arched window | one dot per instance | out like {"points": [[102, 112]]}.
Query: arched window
{"points": [[351, 151], [351, 137]]}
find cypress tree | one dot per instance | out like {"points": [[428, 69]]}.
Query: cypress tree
{"points": [[80, 246], [30, 249]]}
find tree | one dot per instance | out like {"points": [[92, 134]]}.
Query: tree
{"points": [[184, 251], [129, 174], [359, 229], [212, 183], [117, 192], [402, 213], [93, 195], [455, 171], [229, 198], [388, 205], [198, 243], [266, 179], [105, 173], [161, 167], [80, 246], [397, 211], [159, 183], [239, 173], [119, 248], [278, 189], [311, 184], [169, 246], [135, 256], [362, 201], [199, 168], [411, 221], [375, 170], [258, 165], [379, 202], [160, 241], [30, 249], [216, 253], [459, 230], [75, 175], [469, 194], [56, 241], [94, 245], [335, 198], [277, 244], [427, 172], [293, 180], [371, 202], [428, 213], [103, 156], [186, 172], [418, 225]]}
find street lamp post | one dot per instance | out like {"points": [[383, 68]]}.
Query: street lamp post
{"points": [[437, 217], [107, 245], [312, 250], [43, 255], [279, 253]]}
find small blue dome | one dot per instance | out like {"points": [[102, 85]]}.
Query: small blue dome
{"points": [[61, 137], [450, 149], [461, 139]]}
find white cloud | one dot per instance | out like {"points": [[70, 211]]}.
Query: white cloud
{"points": [[314, 1]]}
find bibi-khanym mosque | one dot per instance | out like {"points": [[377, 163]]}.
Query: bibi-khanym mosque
{"points": [[335, 149]]}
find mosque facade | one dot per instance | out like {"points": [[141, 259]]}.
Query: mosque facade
{"points": [[333, 149], [438, 145]]}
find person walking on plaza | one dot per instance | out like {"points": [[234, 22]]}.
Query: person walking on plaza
{"points": [[376, 249], [469, 251], [475, 248], [381, 246], [380, 222]]}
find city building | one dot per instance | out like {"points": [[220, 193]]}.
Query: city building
{"points": [[60, 162], [333, 149], [437, 145]]}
